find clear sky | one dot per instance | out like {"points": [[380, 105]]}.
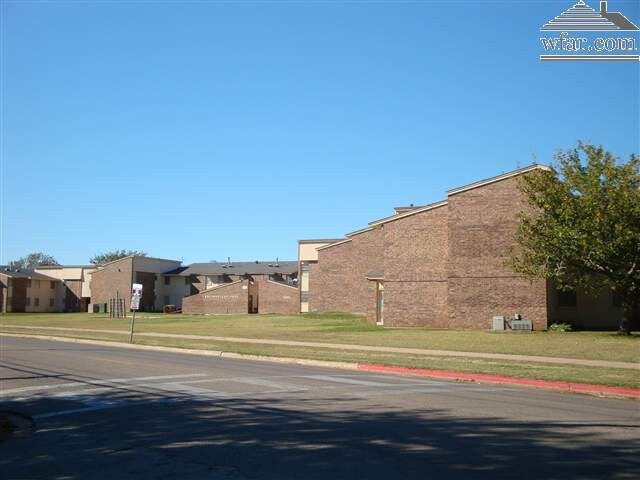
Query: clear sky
{"points": [[201, 130]]}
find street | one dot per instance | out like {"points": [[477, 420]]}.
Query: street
{"points": [[110, 412]]}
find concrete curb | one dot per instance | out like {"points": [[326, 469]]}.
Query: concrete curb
{"points": [[596, 390], [600, 390]]}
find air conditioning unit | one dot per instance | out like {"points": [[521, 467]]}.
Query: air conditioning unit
{"points": [[498, 323], [522, 325]]}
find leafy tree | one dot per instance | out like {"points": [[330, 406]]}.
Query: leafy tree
{"points": [[114, 255], [584, 229], [33, 260]]}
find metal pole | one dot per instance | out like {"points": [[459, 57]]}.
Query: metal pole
{"points": [[133, 322]]}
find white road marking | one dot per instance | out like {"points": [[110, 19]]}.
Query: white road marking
{"points": [[350, 381], [95, 382]]}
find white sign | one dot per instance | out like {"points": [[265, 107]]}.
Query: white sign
{"points": [[136, 294]]}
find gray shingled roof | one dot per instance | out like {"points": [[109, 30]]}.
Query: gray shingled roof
{"points": [[241, 268], [25, 273]]}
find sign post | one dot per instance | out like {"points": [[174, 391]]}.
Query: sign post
{"points": [[136, 294]]}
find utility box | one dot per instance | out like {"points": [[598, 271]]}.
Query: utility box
{"points": [[521, 325], [498, 323]]}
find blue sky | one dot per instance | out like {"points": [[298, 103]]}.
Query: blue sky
{"points": [[201, 130]]}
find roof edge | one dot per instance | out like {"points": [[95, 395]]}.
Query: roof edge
{"points": [[393, 218], [498, 178], [324, 247]]}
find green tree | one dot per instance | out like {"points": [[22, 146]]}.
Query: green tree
{"points": [[33, 260], [584, 229], [114, 255]]}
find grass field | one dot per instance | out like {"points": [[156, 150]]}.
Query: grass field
{"points": [[346, 329]]}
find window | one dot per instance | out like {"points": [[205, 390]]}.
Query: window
{"points": [[304, 297], [36, 302], [567, 299], [27, 301], [167, 280], [29, 283], [616, 299], [53, 285], [167, 300], [37, 284], [304, 267], [51, 302], [187, 281]]}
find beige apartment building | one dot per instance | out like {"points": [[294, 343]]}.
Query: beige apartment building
{"points": [[30, 291], [307, 256]]}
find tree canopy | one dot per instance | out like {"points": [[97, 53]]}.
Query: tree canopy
{"points": [[32, 260], [584, 229], [114, 255]]}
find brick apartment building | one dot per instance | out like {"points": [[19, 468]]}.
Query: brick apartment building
{"points": [[115, 279], [243, 287], [444, 265]]}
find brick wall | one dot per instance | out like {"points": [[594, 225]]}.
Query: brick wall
{"points": [[277, 298], [415, 269], [338, 279], [113, 277], [229, 298], [482, 224], [72, 295]]}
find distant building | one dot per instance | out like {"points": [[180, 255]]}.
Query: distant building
{"points": [[76, 280], [308, 256], [242, 287], [115, 279], [29, 291]]}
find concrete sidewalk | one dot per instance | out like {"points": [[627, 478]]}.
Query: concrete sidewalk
{"points": [[366, 348]]}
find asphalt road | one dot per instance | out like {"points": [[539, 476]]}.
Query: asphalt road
{"points": [[107, 412]]}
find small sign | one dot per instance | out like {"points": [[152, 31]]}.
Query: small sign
{"points": [[136, 294]]}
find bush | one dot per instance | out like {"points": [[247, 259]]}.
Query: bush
{"points": [[561, 327]]}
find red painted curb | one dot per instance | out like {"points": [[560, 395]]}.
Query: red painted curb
{"points": [[480, 377]]}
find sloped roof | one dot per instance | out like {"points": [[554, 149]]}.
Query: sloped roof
{"points": [[241, 268], [26, 273]]}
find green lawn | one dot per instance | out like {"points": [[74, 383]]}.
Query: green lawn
{"points": [[346, 329]]}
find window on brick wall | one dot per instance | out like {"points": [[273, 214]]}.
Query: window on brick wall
{"points": [[52, 285], [567, 299], [167, 280], [167, 300], [36, 302], [51, 302]]}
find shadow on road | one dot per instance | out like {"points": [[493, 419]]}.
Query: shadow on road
{"points": [[161, 436]]}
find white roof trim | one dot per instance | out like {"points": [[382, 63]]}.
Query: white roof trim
{"points": [[393, 218], [498, 178], [333, 244]]}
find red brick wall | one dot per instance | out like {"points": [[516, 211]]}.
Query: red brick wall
{"points": [[113, 277], [338, 282], [482, 223], [278, 298], [229, 298], [415, 270]]}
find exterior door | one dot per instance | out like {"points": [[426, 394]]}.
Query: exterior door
{"points": [[379, 303]]}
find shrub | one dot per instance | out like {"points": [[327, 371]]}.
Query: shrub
{"points": [[561, 327]]}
